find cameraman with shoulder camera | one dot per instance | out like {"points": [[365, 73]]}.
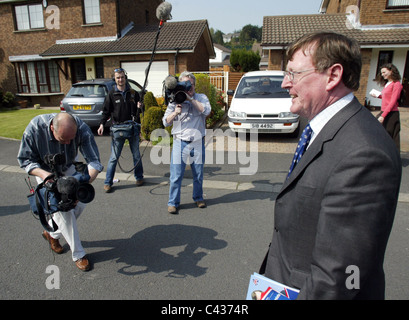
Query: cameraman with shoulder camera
{"points": [[189, 129], [63, 134]]}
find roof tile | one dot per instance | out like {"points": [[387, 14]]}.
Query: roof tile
{"points": [[173, 35], [283, 30]]}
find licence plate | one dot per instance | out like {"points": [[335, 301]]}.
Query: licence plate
{"points": [[262, 126], [81, 107]]}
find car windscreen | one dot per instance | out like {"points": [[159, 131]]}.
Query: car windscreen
{"points": [[88, 91], [261, 87]]}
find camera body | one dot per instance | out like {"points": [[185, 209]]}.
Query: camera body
{"points": [[68, 190], [176, 91]]}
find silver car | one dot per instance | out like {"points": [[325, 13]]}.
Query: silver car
{"points": [[86, 99]]}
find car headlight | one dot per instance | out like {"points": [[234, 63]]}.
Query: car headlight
{"points": [[235, 114], [287, 115]]}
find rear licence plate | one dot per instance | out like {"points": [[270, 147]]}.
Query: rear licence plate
{"points": [[81, 107]]}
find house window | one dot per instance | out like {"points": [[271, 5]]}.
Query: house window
{"points": [[91, 11], [29, 17], [38, 77], [393, 4]]}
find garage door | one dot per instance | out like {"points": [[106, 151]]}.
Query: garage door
{"points": [[158, 72]]}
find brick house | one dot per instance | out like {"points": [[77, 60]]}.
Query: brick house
{"points": [[46, 46], [380, 26]]}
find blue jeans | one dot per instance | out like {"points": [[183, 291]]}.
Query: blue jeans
{"points": [[182, 152], [116, 150]]}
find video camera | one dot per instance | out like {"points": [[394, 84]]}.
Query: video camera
{"points": [[176, 91], [68, 190], [58, 192]]}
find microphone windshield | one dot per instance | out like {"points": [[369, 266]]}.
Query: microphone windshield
{"points": [[170, 82], [67, 185], [163, 11]]}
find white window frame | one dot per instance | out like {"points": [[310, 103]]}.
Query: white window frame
{"points": [[29, 16], [391, 4], [92, 12]]}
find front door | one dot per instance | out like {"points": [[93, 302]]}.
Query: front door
{"points": [[78, 72]]}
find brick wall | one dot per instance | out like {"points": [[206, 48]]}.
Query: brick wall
{"points": [[366, 65], [138, 11], [372, 12], [199, 60], [336, 6], [71, 26]]}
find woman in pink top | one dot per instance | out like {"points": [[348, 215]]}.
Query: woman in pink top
{"points": [[390, 79]]}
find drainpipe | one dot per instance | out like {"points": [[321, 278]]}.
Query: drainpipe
{"points": [[118, 20], [359, 4], [176, 60]]}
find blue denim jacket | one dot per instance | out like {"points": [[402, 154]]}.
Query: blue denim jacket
{"points": [[39, 141]]}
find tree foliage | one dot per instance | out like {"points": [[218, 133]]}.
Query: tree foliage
{"points": [[243, 60], [249, 34], [217, 36]]}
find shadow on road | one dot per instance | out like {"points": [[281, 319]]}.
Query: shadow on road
{"points": [[174, 249]]}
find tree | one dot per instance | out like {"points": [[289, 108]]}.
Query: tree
{"points": [[244, 61], [249, 34], [217, 36]]}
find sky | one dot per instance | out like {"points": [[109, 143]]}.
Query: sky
{"points": [[233, 15]]}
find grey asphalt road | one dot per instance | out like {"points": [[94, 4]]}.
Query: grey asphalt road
{"points": [[139, 251]]}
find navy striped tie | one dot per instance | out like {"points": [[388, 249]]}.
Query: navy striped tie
{"points": [[302, 146]]}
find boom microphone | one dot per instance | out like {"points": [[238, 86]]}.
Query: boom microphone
{"points": [[163, 14], [163, 11]]}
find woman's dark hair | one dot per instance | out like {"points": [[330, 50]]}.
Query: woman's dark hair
{"points": [[395, 76]]}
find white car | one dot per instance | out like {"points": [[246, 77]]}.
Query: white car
{"points": [[260, 103]]}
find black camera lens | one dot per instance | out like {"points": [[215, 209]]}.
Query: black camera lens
{"points": [[180, 97], [85, 193]]}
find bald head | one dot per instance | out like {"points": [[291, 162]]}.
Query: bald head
{"points": [[64, 128]]}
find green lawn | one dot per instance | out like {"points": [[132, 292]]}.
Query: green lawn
{"points": [[14, 122]]}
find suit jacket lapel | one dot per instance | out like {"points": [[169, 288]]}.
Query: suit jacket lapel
{"points": [[327, 133]]}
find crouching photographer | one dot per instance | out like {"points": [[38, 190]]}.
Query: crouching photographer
{"points": [[64, 135], [187, 112]]}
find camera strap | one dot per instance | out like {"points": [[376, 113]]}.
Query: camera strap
{"points": [[119, 155], [41, 213], [40, 208]]}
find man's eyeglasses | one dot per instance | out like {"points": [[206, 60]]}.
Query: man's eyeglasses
{"points": [[291, 74], [119, 70]]}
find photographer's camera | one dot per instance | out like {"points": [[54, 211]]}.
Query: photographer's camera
{"points": [[176, 91], [68, 190]]}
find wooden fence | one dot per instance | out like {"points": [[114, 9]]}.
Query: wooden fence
{"points": [[224, 81]]}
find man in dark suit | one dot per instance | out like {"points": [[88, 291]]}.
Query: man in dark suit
{"points": [[335, 211]]}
